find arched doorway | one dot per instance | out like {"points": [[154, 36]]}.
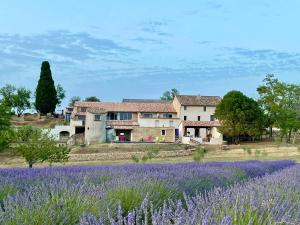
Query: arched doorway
{"points": [[64, 135]]}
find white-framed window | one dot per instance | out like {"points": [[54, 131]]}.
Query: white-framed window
{"points": [[97, 117], [171, 123], [163, 132], [156, 123]]}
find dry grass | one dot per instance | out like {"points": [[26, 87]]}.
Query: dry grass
{"points": [[268, 152]]}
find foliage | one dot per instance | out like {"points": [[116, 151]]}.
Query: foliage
{"points": [[36, 145], [240, 115], [151, 194], [4, 126], [92, 99], [281, 103], [61, 94], [199, 154], [16, 98], [46, 94], [169, 95], [73, 100], [151, 153]]}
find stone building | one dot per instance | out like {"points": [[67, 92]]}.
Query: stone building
{"points": [[188, 118]]}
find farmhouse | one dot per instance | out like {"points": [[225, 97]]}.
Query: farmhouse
{"points": [[187, 119]]}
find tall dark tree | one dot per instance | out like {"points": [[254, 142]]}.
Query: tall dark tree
{"points": [[46, 95], [4, 125]]}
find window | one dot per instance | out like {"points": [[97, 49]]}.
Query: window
{"points": [[167, 115], [112, 116], [171, 123], [97, 117], [185, 118], [83, 109], [125, 116], [184, 107], [156, 123], [199, 118], [147, 115], [163, 132], [204, 108], [212, 117]]}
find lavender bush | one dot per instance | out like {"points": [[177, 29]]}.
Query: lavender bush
{"points": [[188, 193]]}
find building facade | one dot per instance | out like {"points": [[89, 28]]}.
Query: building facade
{"points": [[186, 119]]}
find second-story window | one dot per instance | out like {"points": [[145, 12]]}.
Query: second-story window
{"points": [[171, 123], [167, 115], [199, 118], [125, 116], [212, 117], [185, 118], [147, 115], [185, 107], [204, 108], [97, 117], [112, 116], [83, 109]]}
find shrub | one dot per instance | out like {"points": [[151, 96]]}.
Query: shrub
{"points": [[199, 154]]}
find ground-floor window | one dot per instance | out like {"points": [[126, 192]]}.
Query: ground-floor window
{"points": [[163, 132]]}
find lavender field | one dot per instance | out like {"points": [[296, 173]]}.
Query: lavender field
{"points": [[250, 192]]}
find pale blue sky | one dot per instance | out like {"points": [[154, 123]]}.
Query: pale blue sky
{"points": [[138, 49]]}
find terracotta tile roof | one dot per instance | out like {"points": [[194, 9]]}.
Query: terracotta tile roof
{"points": [[96, 110], [121, 123], [144, 100], [189, 123], [129, 106], [195, 100]]}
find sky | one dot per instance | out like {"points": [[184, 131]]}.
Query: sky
{"points": [[139, 49]]}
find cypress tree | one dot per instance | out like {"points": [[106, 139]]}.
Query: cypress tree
{"points": [[46, 96]]}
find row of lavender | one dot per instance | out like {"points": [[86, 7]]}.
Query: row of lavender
{"points": [[273, 199], [67, 195]]}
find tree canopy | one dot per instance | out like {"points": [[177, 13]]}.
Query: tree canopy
{"points": [[239, 115], [281, 103], [17, 99], [36, 145], [4, 125], [46, 94], [169, 95], [73, 100], [92, 99]]}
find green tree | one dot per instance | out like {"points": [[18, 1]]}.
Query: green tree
{"points": [[281, 102], [46, 94], [73, 100], [92, 99], [16, 98], [36, 145], [7, 94], [61, 94], [239, 115], [169, 95], [4, 126]]}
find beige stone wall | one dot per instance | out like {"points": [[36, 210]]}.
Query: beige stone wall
{"points": [[139, 133], [176, 105], [95, 131], [124, 155]]}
